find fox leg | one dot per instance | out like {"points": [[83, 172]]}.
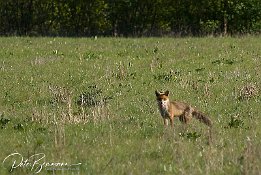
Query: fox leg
{"points": [[171, 122], [184, 120], [187, 115], [165, 120]]}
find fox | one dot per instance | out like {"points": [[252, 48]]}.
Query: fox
{"points": [[170, 109]]}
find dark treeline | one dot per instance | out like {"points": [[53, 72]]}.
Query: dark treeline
{"points": [[129, 17]]}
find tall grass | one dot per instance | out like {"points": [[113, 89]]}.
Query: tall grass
{"points": [[91, 101]]}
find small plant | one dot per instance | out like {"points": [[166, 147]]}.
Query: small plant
{"points": [[222, 61], [190, 135], [199, 69], [235, 122], [92, 97], [230, 62], [165, 77], [41, 129], [19, 127], [90, 56], [4, 121], [155, 50]]}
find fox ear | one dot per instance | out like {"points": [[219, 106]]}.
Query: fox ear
{"points": [[157, 93], [166, 93]]}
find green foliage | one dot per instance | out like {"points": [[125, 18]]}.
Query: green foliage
{"points": [[19, 127], [129, 17], [164, 77], [235, 123], [210, 27], [90, 55], [4, 121], [191, 135]]}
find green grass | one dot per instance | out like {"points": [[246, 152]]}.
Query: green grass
{"points": [[43, 79]]}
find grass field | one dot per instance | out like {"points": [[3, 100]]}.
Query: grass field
{"points": [[92, 101]]}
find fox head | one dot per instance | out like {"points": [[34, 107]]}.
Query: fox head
{"points": [[162, 99]]}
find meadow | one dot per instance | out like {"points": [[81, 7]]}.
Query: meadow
{"points": [[91, 102]]}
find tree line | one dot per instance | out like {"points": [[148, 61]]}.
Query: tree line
{"points": [[129, 17]]}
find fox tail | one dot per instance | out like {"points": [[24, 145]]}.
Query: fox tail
{"points": [[202, 117]]}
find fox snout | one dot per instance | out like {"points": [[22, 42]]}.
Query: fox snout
{"points": [[162, 102]]}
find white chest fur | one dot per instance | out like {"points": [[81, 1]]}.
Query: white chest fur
{"points": [[164, 107]]}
